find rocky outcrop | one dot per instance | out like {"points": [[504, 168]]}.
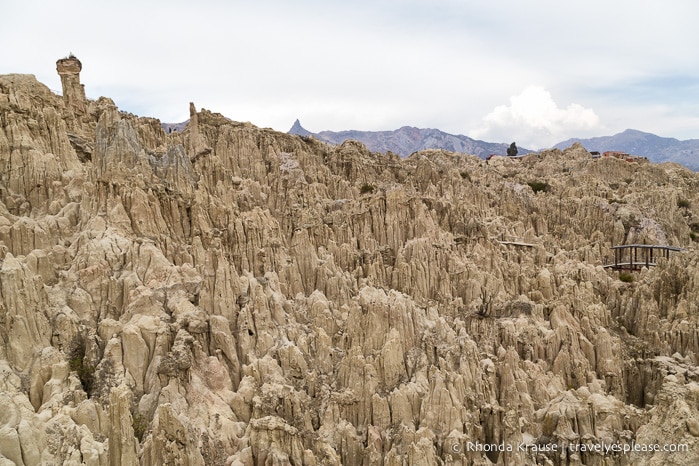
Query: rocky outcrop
{"points": [[230, 295], [73, 92]]}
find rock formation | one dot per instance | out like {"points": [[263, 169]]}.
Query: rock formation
{"points": [[73, 92], [229, 295]]}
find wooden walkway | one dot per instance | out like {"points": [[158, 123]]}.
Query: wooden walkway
{"points": [[637, 256], [518, 243]]}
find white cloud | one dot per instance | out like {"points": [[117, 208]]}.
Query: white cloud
{"points": [[534, 120]]}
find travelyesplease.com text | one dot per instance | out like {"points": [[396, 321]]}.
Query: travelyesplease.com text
{"points": [[603, 448]]}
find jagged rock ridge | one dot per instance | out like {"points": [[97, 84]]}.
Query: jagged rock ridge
{"points": [[231, 295]]}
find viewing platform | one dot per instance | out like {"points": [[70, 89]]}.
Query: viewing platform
{"points": [[637, 256]]}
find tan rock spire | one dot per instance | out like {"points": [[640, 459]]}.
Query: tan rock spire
{"points": [[73, 92]]}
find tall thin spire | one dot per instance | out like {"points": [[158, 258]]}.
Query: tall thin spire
{"points": [[73, 92]]}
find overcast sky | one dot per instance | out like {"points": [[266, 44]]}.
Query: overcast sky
{"points": [[536, 72]]}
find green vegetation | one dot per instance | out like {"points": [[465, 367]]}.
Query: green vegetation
{"points": [[539, 186], [366, 189], [694, 233], [626, 277], [140, 425], [77, 363], [683, 203], [465, 175]]}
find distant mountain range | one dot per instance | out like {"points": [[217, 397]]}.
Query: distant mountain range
{"points": [[406, 140], [656, 148], [171, 127]]}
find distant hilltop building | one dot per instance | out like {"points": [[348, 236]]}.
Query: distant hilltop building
{"points": [[73, 92], [624, 156], [615, 153]]}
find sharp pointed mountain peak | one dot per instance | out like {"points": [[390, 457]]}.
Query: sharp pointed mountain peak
{"points": [[298, 129]]}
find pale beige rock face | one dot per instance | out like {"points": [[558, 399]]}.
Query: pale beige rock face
{"points": [[229, 295]]}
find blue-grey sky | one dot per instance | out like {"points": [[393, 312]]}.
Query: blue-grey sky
{"points": [[535, 72]]}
